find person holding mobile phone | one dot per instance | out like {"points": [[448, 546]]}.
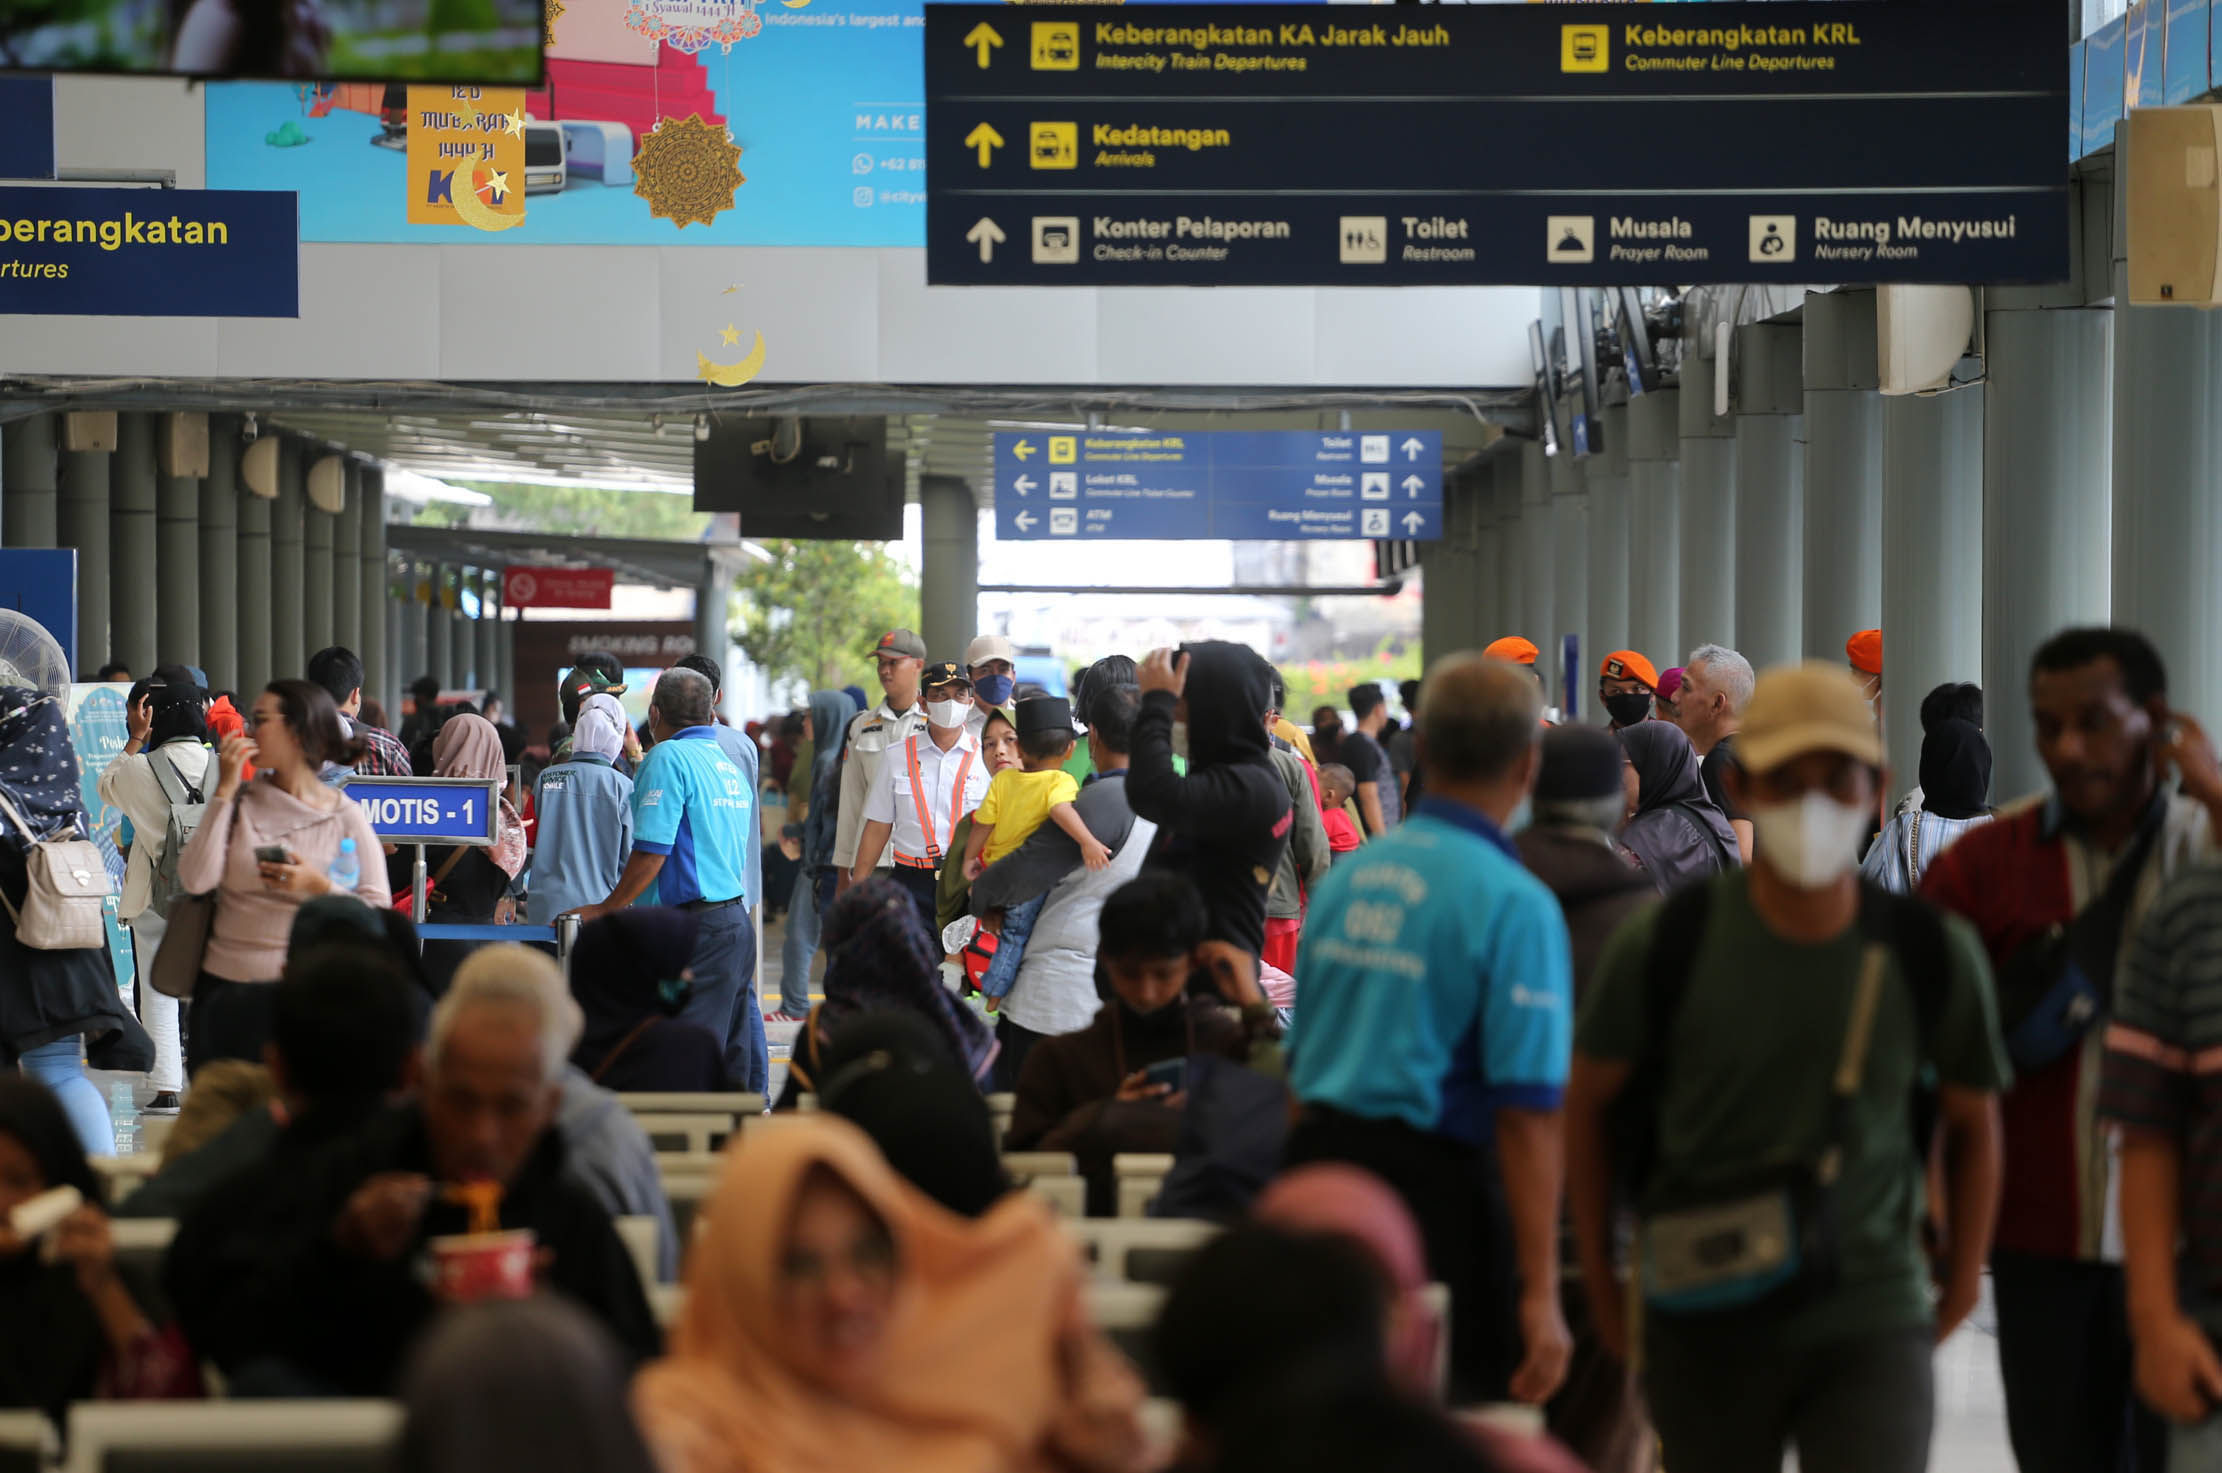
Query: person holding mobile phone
{"points": [[1119, 1084], [264, 847], [2057, 889]]}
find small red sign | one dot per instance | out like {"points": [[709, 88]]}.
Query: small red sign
{"points": [[557, 588]]}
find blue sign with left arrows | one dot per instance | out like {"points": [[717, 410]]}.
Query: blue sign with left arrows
{"points": [[427, 810], [1173, 485]]}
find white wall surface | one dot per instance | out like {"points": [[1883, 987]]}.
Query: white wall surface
{"points": [[640, 313]]}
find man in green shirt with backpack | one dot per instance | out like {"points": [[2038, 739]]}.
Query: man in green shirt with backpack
{"points": [[1760, 1069]]}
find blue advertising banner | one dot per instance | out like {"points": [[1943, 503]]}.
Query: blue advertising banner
{"points": [[817, 107], [1277, 486], [26, 127], [42, 582], [148, 253], [427, 810], [98, 729]]}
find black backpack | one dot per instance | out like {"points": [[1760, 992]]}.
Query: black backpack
{"points": [[1914, 934]]}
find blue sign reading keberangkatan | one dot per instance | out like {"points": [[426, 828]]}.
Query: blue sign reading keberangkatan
{"points": [[1275, 486], [149, 253], [427, 810]]}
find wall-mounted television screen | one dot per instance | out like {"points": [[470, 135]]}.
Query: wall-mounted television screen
{"points": [[487, 42]]}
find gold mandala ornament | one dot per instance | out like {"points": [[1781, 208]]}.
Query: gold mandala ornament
{"points": [[687, 170]]}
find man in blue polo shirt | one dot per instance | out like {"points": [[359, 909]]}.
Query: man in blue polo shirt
{"points": [[1434, 1029], [693, 820]]}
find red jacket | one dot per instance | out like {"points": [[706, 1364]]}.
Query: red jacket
{"points": [[2016, 879]]}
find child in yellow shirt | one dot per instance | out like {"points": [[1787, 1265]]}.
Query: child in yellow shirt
{"points": [[1018, 802], [1022, 798]]}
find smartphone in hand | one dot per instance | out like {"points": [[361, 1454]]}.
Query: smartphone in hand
{"points": [[272, 854], [1171, 1073]]}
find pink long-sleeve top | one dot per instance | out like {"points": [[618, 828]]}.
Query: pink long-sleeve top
{"points": [[253, 921]]}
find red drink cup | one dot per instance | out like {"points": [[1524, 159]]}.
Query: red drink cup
{"points": [[471, 1267]]}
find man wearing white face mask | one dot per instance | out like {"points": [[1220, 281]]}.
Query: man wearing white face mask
{"points": [[1748, 1073], [934, 778]]}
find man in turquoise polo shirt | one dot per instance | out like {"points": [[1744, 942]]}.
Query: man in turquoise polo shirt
{"points": [[693, 820], [1435, 1025]]}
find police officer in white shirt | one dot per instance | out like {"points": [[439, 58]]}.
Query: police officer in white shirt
{"points": [[923, 787], [901, 656]]}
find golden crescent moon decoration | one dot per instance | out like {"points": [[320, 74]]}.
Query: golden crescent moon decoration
{"points": [[474, 211], [730, 375]]}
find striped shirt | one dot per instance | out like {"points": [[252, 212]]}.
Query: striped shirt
{"points": [[2164, 1051]]}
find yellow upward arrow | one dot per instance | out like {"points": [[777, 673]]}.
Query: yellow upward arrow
{"points": [[986, 140], [983, 39]]}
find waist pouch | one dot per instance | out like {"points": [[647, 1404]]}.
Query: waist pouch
{"points": [[2047, 1001], [2055, 986], [1767, 1244]]}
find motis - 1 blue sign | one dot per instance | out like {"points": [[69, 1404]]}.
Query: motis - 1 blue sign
{"points": [[427, 810], [149, 253], [1286, 486]]}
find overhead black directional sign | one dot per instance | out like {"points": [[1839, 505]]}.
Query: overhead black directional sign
{"points": [[1792, 141]]}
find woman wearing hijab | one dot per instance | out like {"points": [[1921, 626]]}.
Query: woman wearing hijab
{"points": [[55, 1006], [73, 1327], [1335, 1200], [878, 956], [1955, 797], [530, 1385], [464, 884], [629, 974], [892, 1076], [1676, 833], [584, 808], [810, 826], [837, 1319]]}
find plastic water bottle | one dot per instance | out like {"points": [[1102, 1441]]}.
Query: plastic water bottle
{"points": [[346, 871]]}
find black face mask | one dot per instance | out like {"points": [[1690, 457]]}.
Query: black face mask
{"points": [[1629, 709]]}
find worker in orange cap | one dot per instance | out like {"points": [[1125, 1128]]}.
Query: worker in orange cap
{"points": [[1626, 684], [1865, 651]]}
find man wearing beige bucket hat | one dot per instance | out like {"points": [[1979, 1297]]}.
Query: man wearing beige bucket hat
{"points": [[1746, 1069]]}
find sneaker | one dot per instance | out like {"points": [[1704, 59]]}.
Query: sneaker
{"points": [[786, 1017], [165, 1103]]}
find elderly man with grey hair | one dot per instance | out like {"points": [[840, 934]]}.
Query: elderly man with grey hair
{"points": [[356, 1256], [694, 822], [1716, 686]]}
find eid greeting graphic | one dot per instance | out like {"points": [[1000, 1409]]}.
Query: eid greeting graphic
{"points": [[663, 122]]}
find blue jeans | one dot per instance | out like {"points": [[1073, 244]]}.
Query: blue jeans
{"points": [[724, 997], [1010, 947], [60, 1066], [799, 948]]}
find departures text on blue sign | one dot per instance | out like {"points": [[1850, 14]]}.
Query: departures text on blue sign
{"points": [[149, 253]]}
